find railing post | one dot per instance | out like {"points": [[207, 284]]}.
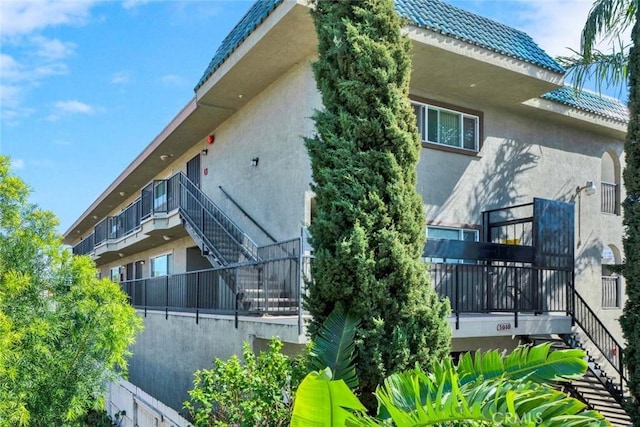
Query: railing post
{"points": [[300, 280], [166, 297], [457, 285], [265, 286], [515, 299], [235, 292], [198, 280], [621, 373]]}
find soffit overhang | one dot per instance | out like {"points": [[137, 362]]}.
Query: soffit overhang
{"points": [[448, 68]]}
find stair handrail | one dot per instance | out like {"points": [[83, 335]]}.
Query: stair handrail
{"points": [[616, 363], [247, 215], [248, 245]]}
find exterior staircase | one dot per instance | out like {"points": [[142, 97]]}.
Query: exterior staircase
{"points": [[232, 252], [603, 387]]}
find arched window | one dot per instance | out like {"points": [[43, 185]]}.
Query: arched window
{"points": [[610, 279], [610, 184]]}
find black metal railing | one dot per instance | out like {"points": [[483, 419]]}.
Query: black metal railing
{"points": [[164, 196], [264, 287], [609, 198], [222, 235], [510, 226], [241, 209], [595, 330], [610, 291], [502, 288], [85, 246]]}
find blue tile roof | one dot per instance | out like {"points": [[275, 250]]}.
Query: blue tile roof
{"points": [[591, 102], [431, 14], [452, 22], [254, 17], [471, 28]]}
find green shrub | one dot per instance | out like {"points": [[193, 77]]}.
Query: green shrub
{"points": [[255, 392]]}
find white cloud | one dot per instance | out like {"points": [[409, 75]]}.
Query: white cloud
{"points": [[130, 4], [26, 16], [121, 77], [66, 108], [173, 80], [17, 163], [555, 24], [53, 49], [72, 107], [28, 57]]}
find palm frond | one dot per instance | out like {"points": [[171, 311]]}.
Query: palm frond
{"points": [[539, 364], [606, 69], [497, 401], [334, 347], [608, 18]]}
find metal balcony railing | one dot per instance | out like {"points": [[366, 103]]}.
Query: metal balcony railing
{"points": [[610, 291], [609, 198], [166, 195], [270, 286], [486, 288]]}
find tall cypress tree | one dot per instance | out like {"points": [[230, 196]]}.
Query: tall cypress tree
{"points": [[369, 230], [630, 320]]}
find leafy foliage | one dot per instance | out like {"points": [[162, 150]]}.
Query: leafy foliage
{"points": [[368, 232], [321, 400], [630, 320], [476, 393], [607, 20], [258, 392], [63, 333], [334, 346]]}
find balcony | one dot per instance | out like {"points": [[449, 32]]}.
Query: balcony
{"points": [[609, 198], [152, 209], [269, 286], [524, 265], [610, 292]]}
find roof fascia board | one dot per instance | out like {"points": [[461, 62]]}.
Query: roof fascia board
{"points": [[478, 53], [575, 114]]}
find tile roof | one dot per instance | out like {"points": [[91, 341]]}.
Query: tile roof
{"points": [[452, 21], [431, 14], [254, 17], [590, 102]]}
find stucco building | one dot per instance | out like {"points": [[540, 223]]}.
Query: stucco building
{"points": [[520, 177]]}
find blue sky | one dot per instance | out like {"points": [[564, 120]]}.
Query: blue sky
{"points": [[86, 85]]}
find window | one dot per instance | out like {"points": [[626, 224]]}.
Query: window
{"points": [[443, 126], [115, 274], [448, 233], [161, 265]]}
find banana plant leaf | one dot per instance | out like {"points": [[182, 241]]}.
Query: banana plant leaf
{"points": [[323, 402], [334, 347]]}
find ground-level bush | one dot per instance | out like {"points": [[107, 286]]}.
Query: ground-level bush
{"points": [[257, 391]]}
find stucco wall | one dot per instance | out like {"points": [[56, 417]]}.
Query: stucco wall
{"points": [[270, 127], [170, 350], [522, 157]]}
